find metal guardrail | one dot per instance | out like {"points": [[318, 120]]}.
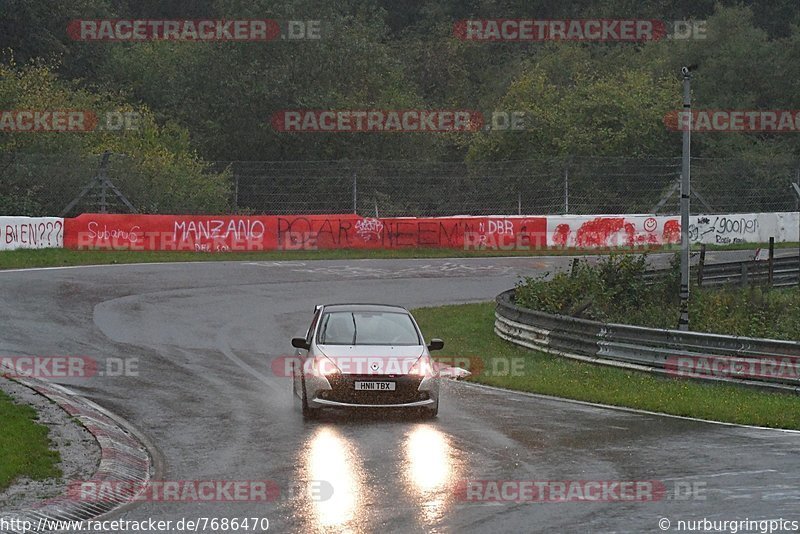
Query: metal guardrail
{"points": [[765, 363], [785, 272]]}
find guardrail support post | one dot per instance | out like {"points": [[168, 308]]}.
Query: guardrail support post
{"points": [[743, 278], [771, 261], [701, 265]]}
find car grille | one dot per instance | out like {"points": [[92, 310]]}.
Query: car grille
{"points": [[406, 390]]}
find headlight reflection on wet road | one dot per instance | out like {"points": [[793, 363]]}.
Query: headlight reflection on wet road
{"points": [[430, 470], [422, 456], [332, 458]]}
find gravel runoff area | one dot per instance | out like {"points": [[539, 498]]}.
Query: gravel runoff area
{"points": [[80, 452]]}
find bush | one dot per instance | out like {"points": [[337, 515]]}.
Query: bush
{"points": [[612, 286], [613, 290]]}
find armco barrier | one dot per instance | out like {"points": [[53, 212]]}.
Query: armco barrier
{"points": [[31, 232], [757, 362], [785, 272], [786, 269]]}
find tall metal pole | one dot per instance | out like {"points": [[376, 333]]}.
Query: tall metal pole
{"points": [[566, 189], [683, 322]]}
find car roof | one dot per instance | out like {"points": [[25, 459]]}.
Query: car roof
{"points": [[365, 307]]}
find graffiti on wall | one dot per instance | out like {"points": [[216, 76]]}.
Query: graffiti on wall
{"points": [[724, 229], [31, 232], [614, 231], [301, 232]]}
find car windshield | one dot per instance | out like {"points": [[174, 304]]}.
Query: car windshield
{"points": [[367, 328]]}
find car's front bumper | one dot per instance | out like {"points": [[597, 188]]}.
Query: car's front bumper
{"points": [[339, 390], [322, 402]]}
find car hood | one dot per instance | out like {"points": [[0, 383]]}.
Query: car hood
{"points": [[373, 359]]}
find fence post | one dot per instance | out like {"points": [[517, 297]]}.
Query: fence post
{"points": [[566, 188], [355, 193], [102, 173], [743, 278], [771, 260], [103, 199], [575, 262], [701, 266]]}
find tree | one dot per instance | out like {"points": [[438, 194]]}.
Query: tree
{"points": [[157, 168]]}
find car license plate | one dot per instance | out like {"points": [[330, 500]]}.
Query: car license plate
{"points": [[375, 386]]}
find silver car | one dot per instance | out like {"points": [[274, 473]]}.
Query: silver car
{"points": [[365, 356]]}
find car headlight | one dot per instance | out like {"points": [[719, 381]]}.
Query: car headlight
{"points": [[422, 367], [324, 366]]}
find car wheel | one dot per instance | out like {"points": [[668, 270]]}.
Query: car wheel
{"points": [[308, 412]]}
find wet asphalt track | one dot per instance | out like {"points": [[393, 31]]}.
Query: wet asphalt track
{"points": [[207, 399]]}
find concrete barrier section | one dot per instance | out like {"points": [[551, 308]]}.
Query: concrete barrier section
{"points": [[31, 232], [226, 233]]}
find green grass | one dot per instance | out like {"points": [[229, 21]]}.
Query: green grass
{"points": [[468, 331], [21, 259], [24, 445]]}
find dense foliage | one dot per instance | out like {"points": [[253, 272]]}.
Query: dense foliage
{"points": [[213, 100], [159, 172]]}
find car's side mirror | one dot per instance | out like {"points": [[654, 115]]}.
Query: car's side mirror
{"points": [[436, 344], [300, 343]]}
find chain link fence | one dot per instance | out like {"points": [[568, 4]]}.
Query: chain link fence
{"points": [[36, 184], [398, 188]]}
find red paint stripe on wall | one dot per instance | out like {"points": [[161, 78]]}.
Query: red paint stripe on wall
{"points": [[299, 232]]}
